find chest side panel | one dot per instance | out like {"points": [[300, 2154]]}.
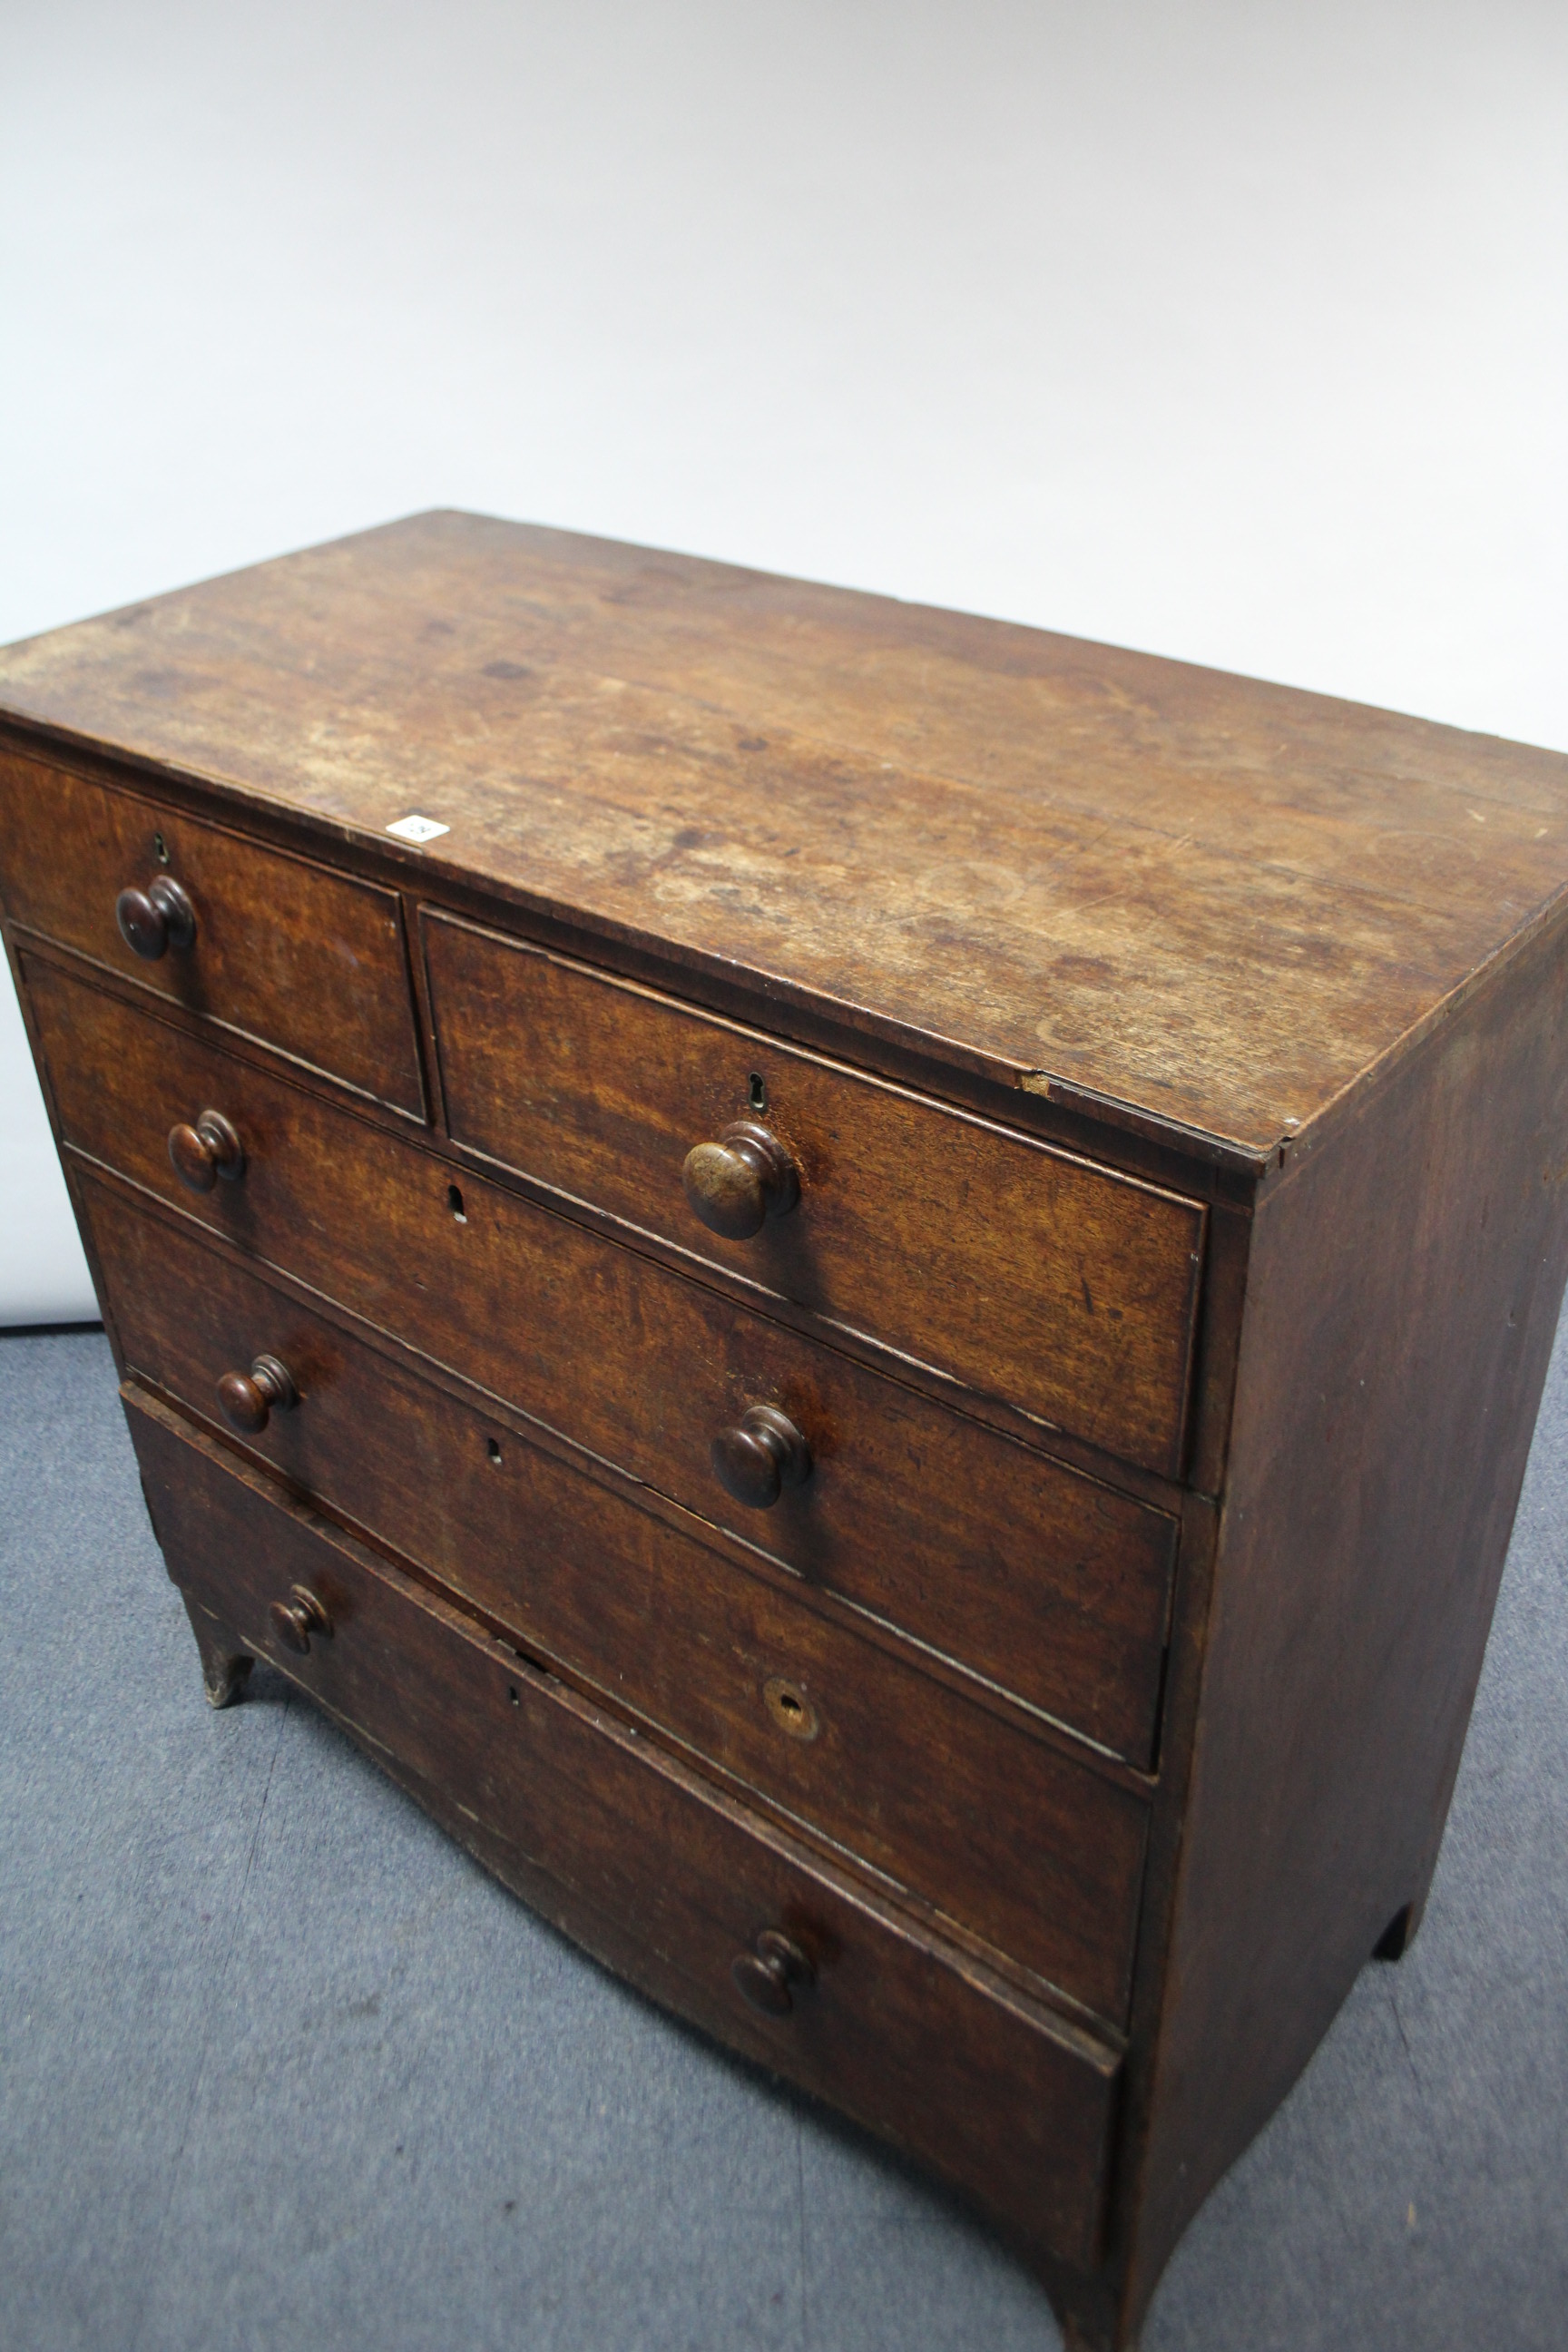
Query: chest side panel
{"points": [[1404, 1291]]}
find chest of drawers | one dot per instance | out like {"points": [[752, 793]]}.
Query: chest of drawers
{"points": [[866, 1290]]}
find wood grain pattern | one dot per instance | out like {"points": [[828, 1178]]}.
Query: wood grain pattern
{"points": [[880, 896], [307, 960], [1068, 1292], [1050, 1583], [1217, 900], [901, 1771], [225, 1666], [898, 2031], [1405, 1290]]}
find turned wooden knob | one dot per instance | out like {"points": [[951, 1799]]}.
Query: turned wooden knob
{"points": [[202, 1153], [736, 1185], [250, 1398], [767, 1973], [295, 1620], [762, 1455], [153, 921]]}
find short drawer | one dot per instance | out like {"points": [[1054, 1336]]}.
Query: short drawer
{"points": [[1032, 1275], [305, 960], [1049, 1584], [665, 1877], [894, 1767]]}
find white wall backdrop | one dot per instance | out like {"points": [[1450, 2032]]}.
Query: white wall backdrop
{"points": [[1234, 331]]}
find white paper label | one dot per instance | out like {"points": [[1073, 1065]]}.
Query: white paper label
{"points": [[417, 828]]}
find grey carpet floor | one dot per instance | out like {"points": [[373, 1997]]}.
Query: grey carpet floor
{"points": [[279, 2066]]}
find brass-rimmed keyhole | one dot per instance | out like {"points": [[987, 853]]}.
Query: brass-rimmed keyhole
{"points": [[790, 1708]]}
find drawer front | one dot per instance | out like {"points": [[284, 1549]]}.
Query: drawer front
{"points": [[1032, 1276], [982, 2083], [1047, 1582], [858, 1745], [307, 960]]}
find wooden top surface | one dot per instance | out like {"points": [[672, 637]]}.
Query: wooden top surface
{"points": [[1085, 871]]}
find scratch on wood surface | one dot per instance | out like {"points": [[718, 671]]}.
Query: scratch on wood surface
{"points": [[1278, 886]]}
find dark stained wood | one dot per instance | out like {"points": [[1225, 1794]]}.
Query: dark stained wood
{"points": [[300, 1619], [311, 961], [1066, 1291], [201, 1153], [248, 1399], [1229, 1240], [895, 2028], [888, 1058], [773, 1973], [157, 922], [226, 1664], [760, 1457], [735, 1185], [1052, 1585], [1405, 1285], [1118, 877], [897, 1769]]}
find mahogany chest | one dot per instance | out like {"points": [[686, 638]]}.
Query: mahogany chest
{"points": [[866, 1290]]}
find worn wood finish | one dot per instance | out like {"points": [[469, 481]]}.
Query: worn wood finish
{"points": [[898, 1769], [308, 961], [225, 1663], [897, 2028], [1051, 1584], [248, 1399], [201, 1153], [1065, 1291], [919, 1112], [757, 1457], [1404, 1291], [1213, 901], [157, 922], [746, 1177]]}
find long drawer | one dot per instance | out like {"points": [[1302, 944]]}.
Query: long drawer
{"points": [[1050, 1584], [894, 1767], [308, 960], [1058, 1286], [638, 1858]]}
